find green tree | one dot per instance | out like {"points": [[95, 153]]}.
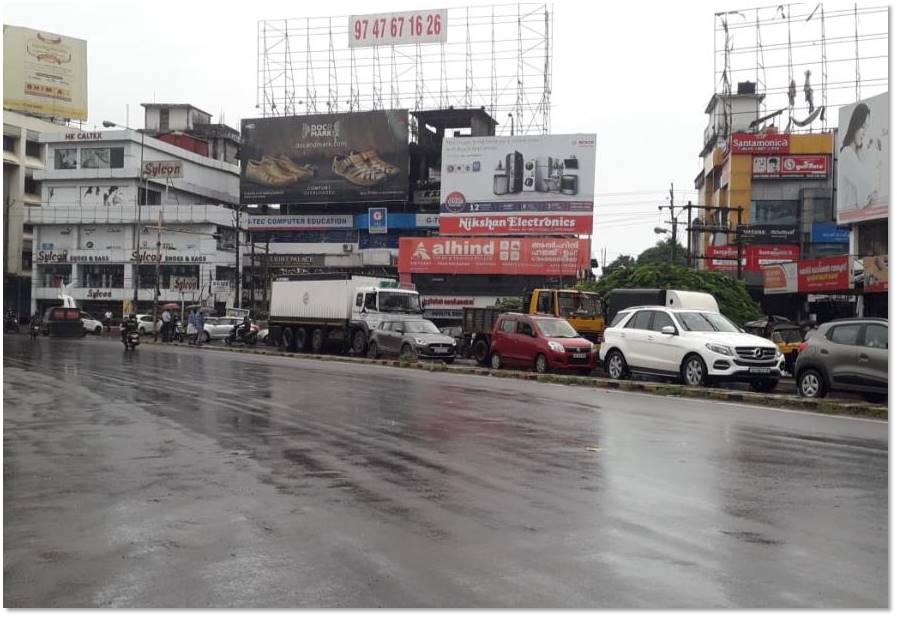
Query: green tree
{"points": [[660, 253], [731, 295], [623, 261]]}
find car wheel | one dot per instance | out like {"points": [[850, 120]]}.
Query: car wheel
{"points": [[481, 352], [541, 364], [615, 365], [317, 340], [694, 371], [408, 353], [810, 384], [206, 337], [98, 330], [359, 342], [141, 332], [287, 339], [877, 399], [495, 362], [373, 352], [764, 385]]}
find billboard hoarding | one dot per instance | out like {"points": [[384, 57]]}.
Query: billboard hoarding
{"points": [[875, 274], [325, 158], [768, 234], [277, 222], [803, 166], [753, 257], [829, 233], [492, 224], [44, 73], [826, 274], [508, 256], [184, 283], [780, 278], [163, 169], [408, 28], [501, 177], [760, 143], [864, 160]]}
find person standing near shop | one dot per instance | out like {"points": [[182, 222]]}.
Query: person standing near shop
{"points": [[108, 317], [200, 327], [166, 326]]}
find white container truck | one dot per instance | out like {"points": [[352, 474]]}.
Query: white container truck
{"points": [[311, 312]]}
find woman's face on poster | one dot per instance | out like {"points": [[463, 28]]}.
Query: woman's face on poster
{"points": [[861, 133]]}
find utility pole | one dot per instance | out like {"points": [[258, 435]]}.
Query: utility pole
{"points": [[237, 244], [675, 226], [251, 272], [156, 286]]}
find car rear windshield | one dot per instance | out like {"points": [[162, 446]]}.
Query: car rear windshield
{"points": [[695, 321], [555, 328], [789, 335], [421, 327]]}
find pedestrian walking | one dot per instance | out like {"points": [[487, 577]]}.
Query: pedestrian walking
{"points": [[191, 328], [200, 327], [166, 326], [108, 317]]}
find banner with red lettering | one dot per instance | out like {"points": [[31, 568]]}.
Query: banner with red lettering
{"points": [[509, 256], [753, 258], [827, 274]]}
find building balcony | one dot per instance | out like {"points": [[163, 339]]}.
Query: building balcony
{"points": [[149, 215]]}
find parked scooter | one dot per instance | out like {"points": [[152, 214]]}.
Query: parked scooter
{"points": [[11, 322], [245, 332]]}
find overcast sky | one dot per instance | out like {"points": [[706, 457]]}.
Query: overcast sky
{"points": [[638, 74]]}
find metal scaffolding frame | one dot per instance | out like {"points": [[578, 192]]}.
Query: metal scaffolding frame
{"points": [[497, 56]]}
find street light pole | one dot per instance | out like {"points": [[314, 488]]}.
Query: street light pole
{"points": [[511, 116]]}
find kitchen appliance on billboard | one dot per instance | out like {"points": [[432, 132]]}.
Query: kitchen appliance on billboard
{"points": [[502, 177], [324, 158], [864, 160], [508, 256]]}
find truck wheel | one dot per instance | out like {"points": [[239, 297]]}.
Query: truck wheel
{"points": [[496, 361], [287, 339], [481, 352], [317, 340], [359, 342], [301, 339], [373, 352]]}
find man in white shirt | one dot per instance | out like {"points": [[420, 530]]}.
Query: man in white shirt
{"points": [[166, 326]]}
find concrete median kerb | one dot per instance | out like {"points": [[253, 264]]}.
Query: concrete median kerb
{"points": [[783, 401]]}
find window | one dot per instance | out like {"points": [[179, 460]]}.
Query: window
{"points": [[9, 143], [775, 212], [661, 320], [556, 328], [359, 300], [619, 317], [50, 274], [116, 158], [705, 322], [641, 321], [370, 301], [102, 277], [524, 328], [102, 158], [508, 325], [32, 149], [544, 305], [163, 120], [845, 335], [876, 336], [31, 186], [65, 158]]}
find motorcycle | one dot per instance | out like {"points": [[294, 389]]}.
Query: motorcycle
{"points": [[131, 340], [10, 323], [35, 330], [241, 334]]}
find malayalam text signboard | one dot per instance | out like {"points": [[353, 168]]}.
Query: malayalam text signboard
{"points": [[509, 256], [864, 160], [829, 233], [536, 184], [753, 258], [44, 73], [406, 28], [826, 274], [325, 158]]}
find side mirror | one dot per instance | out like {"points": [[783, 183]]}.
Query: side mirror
{"points": [[400, 331], [668, 330]]}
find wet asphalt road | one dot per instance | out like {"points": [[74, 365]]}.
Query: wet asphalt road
{"points": [[170, 478]]}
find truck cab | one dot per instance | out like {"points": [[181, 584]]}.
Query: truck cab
{"points": [[374, 304], [582, 309]]}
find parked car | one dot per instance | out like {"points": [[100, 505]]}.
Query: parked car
{"points": [[218, 328], [457, 333], [91, 325], [849, 355], [786, 334], [263, 336], [145, 324], [541, 343], [411, 336], [698, 347]]}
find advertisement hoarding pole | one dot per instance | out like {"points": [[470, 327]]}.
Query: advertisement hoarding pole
{"points": [[738, 247], [156, 285], [251, 272], [237, 244]]}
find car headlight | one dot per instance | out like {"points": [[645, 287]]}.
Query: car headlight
{"points": [[720, 349], [418, 341], [555, 346]]}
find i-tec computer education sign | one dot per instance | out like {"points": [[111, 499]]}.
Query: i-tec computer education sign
{"points": [[44, 73]]}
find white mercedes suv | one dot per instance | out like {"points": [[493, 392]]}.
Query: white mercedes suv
{"points": [[696, 346]]}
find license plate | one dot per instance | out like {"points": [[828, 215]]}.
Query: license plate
{"points": [[440, 349], [762, 370], [579, 356]]}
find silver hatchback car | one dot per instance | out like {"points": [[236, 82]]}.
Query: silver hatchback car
{"points": [[848, 355]]}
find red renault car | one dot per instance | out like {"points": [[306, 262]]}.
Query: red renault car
{"points": [[542, 343]]}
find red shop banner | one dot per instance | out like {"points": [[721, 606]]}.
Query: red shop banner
{"points": [[509, 256], [752, 143], [805, 166], [504, 224], [827, 274], [753, 257]]}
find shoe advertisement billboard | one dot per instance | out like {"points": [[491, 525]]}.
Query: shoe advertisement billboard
{"points": [[325, 158], [528, 184]]}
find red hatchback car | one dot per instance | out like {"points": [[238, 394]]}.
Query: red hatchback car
{"points": [[541, 343]]}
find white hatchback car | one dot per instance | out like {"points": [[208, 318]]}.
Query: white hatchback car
{"points": [[696, 346], [91, 325]]}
